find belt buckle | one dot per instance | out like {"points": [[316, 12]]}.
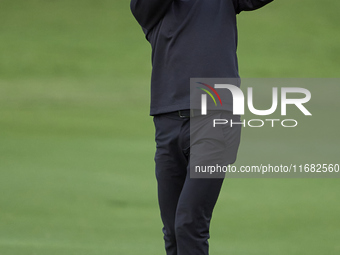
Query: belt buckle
{"points": [[191, 114], [180, 115]]}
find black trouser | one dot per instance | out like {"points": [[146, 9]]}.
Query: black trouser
{"points": [[186, 204]]}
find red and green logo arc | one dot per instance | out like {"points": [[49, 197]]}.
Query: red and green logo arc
{"points": [[209, 93]]}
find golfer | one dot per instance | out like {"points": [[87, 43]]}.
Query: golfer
{"points": [[189, 39]]}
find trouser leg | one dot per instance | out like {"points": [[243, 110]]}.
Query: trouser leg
{"points": [[169, 191], [186, 204], [171, 164], [193, 215]]}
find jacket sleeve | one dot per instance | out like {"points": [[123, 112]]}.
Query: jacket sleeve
{"points": [[249, 5], [149, 12]]}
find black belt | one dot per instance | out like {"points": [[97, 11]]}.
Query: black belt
{"points": [[185, 113]]}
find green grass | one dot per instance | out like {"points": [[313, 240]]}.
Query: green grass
{"points": [[76, 142]]}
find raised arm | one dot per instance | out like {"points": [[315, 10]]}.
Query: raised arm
{"points": [[249, 5], [149, 12]]}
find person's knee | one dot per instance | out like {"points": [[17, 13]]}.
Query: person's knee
{"points": [[180, 230], [185, 225], [190, 224]]}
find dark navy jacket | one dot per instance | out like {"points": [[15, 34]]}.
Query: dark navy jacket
{"points": [[189, 39]]}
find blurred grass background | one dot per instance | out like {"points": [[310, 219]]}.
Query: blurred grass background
{"points": [[76, 142]]}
